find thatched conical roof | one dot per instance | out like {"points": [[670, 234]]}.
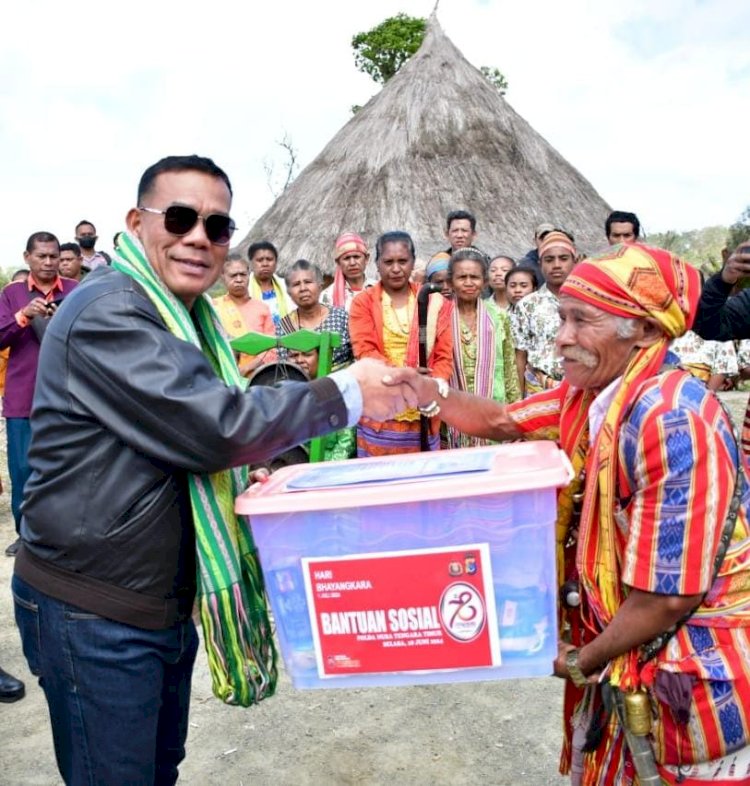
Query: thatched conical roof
{"points": [[438, 137]]}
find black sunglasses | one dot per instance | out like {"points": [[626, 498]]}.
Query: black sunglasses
{"points": [[180, 219]]}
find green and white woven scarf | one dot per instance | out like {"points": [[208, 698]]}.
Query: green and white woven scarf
{"points": [[236, 629]]}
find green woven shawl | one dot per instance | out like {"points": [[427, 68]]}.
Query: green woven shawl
{"points": [[236, 630]]}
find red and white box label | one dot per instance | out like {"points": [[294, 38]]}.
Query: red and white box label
{"points": [[401, 611]]}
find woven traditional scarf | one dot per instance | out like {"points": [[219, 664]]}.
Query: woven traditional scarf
{"points": [[629, 281], [484, 371], [236, 630], [256, 293], [632, 281]]}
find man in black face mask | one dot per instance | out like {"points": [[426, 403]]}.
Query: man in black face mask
{"points": [[86, 239]]}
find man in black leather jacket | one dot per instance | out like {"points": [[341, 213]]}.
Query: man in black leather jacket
{"points": [[123, 410]]}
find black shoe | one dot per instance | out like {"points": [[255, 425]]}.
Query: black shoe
{"points": [[12, 550], [11, 689]]}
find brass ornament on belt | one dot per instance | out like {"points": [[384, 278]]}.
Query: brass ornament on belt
{"points": [[638, 712]]}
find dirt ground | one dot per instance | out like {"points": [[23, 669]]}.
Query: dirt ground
{"points": [[504, 733]]}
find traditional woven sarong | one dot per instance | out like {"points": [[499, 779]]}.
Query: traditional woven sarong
{"points": [[390, 438], [378, 331], [236, 630]]}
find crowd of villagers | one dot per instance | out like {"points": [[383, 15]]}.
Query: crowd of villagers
{"points": [[469, 338], [490, 322]]}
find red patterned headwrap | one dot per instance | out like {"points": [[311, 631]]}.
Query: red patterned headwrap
{"points": [[557, 238], [636, 280], [630, 280], [349, 241]]}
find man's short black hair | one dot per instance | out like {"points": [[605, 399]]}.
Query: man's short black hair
{"points": [[623, 217], [461, 215], [179, 164], [74, 247], [262, 245], [40, 237], [84, 222]]}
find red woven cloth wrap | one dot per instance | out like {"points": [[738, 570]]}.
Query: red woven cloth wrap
{"points": [[632, 281], [349, 241], [636, 280]]}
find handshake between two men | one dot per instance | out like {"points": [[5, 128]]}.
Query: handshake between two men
{"points": [[388, 391]]}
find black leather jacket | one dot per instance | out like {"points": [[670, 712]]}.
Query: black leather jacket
{"points": [[122, 411]]}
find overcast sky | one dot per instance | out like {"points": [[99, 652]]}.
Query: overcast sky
{"points": [[649, 100]]}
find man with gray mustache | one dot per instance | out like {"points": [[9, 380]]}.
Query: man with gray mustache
{"points": [[653, 533]]}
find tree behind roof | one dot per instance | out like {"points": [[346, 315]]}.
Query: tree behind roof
{"points": [[380, 52]]}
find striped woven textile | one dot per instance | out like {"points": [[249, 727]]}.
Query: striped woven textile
{"points": [[676, 460], [236, 629], [391, 437]]}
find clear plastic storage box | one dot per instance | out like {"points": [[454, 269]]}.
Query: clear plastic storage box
{"points": [[421, 568]]}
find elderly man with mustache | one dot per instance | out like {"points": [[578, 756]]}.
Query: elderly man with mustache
{"points": [[652, 534]]}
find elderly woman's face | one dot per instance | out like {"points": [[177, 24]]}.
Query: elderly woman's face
{"points": [[593, 353], [303, 288]]}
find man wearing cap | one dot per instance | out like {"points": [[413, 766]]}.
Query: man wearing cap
{"points": [[653, 531], [351, 257], [531, 259], [535, 319]]}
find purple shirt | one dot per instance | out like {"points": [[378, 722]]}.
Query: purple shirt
{"points": [[24, 345]]}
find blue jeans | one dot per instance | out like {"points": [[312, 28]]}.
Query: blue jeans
{"points": [[18, 432], [118, 696]]}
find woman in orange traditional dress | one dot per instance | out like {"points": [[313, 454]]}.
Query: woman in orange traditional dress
{"points": [[383, 324]]}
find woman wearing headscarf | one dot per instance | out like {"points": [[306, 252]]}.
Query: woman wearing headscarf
{"points": [[383, 321], [436, 273]]}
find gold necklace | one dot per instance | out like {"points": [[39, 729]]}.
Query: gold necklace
{"points": [[404, 328]]}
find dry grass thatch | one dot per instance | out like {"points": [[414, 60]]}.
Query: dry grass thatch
{"points": [[438, 137]]}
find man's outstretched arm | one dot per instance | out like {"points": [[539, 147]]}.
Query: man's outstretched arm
{"points": [[470, 414]]}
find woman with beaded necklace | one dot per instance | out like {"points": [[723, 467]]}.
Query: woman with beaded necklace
{"points": [[383, 323], [483, 352]]}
